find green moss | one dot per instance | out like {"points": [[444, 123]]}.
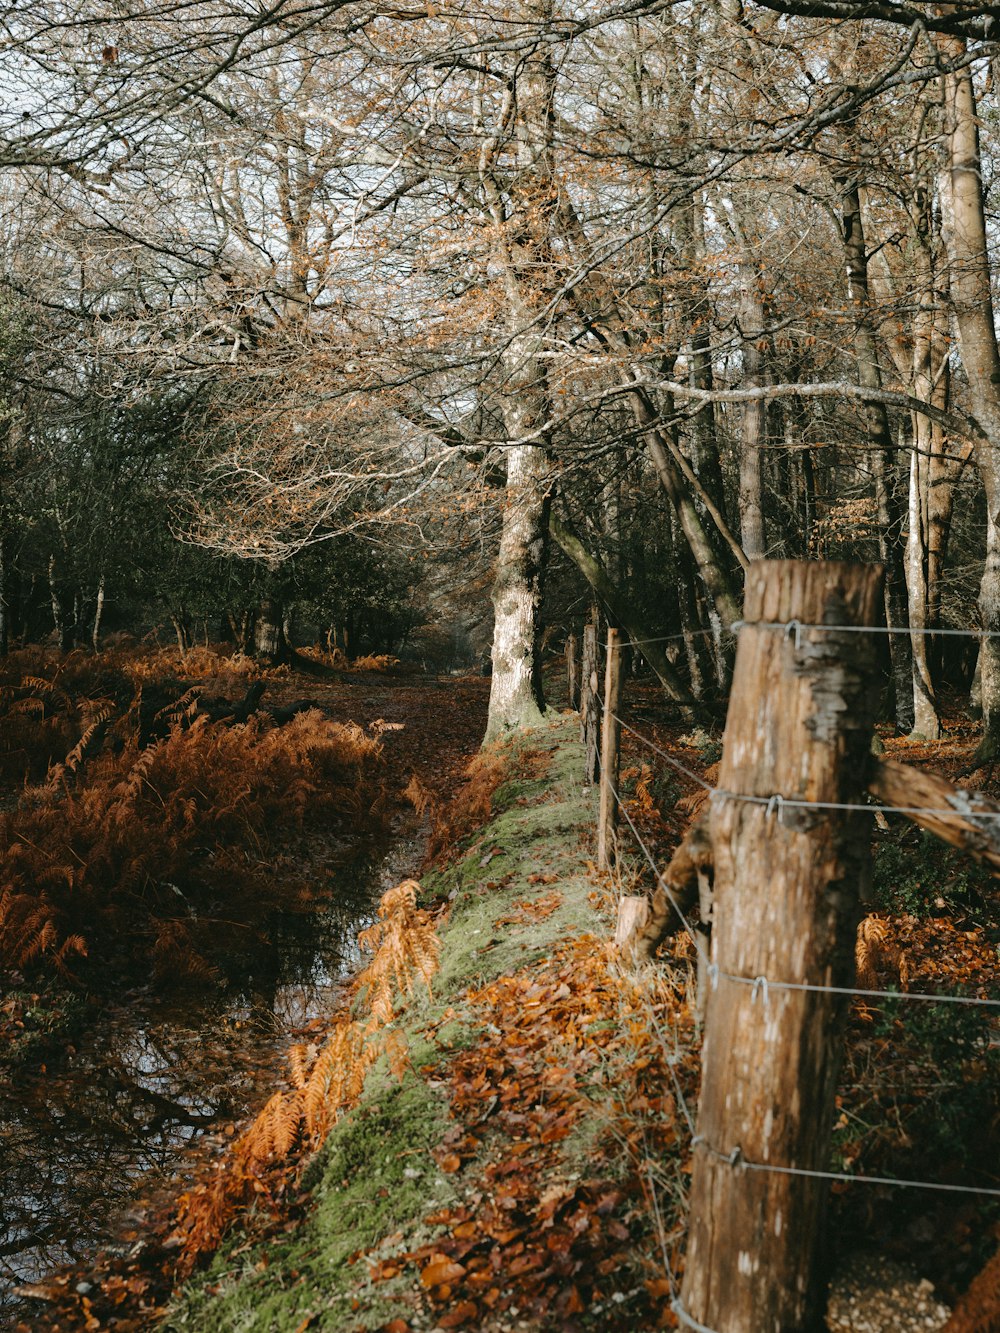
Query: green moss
{"points": [[374, 1176]]}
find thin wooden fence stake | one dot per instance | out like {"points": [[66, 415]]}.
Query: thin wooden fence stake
{"points": [[786, 905], [572, 677], [589, 706], [610, 751]]}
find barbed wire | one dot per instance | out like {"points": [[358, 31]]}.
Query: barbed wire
{"points": [[729, 631], [763, 984], [663, 755], [735, 1158], [689, 1321], [691, 932], [775, 804], [798, 627]]}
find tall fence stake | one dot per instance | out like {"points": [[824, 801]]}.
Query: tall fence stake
{"points": [[589, 721], [786, 901], [610, 750], [572, 679]]}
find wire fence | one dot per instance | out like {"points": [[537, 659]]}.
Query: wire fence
{"points": [[796, 628], [762, 987], [972, 807]]}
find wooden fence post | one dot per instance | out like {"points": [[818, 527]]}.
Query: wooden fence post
{"points": [[610, 750], [589, 708], [572, 679], [787, 882]]}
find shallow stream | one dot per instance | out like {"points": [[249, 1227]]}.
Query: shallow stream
{"points": [[156, 1081]]}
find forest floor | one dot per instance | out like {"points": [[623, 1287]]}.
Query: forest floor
{"points": [[513, 1151]]}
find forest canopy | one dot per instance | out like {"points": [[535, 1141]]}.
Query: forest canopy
{"points": [[358, 309]]}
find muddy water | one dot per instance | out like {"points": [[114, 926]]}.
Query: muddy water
{"points": [[155, 1081]]}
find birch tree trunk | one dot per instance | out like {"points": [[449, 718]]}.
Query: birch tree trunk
{"points": [[95, 634], [523, 221], [516, 699]]}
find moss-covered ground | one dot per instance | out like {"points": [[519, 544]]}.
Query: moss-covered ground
{"points": [[496, 1185]]}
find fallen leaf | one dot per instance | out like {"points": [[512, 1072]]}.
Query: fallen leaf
{"points": [[461, 1314], [441, 1270]]}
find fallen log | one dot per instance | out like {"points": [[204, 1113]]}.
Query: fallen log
{"points": [[676, 893], [965, 819]]}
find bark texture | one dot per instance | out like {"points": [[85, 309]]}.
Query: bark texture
{"points": [[887, 501], [786, 894], [969, 277], [515, 688], [524, 257], [269, 641]]}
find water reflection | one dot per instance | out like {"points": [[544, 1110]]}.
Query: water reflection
{"points": [[156, 1075]]}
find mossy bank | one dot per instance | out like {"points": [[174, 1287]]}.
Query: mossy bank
{"points": [[420, 1162]]}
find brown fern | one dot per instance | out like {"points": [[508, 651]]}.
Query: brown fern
{"points": [[418, 796], [404, 945], [874, 952], [300, 1117]]}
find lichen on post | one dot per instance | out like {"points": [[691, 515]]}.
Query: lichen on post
{"points": [[788, 885]]}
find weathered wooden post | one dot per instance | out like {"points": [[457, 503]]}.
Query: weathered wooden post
{"points": [[610, 750], [589, 708], [787, 883], [572, 678]]}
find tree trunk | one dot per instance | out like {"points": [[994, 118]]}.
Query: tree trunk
{"points": [[269, 642], [753, 437], [62, 627], [969, 277], [713, 573], [516, 699], [926, 722], [694, 636], [4, 598], [95, 635], [589, 706], [182, 630], [887, 506]]}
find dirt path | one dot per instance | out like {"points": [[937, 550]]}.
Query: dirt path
{"points": [[433, 726]]}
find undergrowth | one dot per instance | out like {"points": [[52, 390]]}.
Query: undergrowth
{"points": [[921, 875], [50, 700], [162, 856], [517, 1148], [472, 806]]}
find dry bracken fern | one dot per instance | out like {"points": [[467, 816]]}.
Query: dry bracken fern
{"points": [[873, 951], [418, 796], [323, 1083], [405, 947]]}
